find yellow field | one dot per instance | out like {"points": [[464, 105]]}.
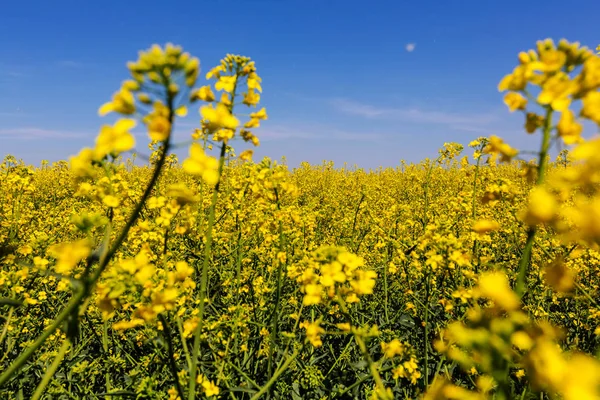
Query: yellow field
{"points": [[227, 278]]}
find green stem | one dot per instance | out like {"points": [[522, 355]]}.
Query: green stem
{"points": [[372, 366], [89, 284], [385, 287], [172, 365], [207, 254], [426, 331], [105, 348], [365, 353], [275, 376], [358, 382], [50, 371], [525, 260], [474, 211], [183, 343], [204, 279], [275, 320]]}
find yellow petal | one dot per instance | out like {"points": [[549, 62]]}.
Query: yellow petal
{"points": [[125, 124], [125, 142], [181, 111], [193, 167], [105, 109]]}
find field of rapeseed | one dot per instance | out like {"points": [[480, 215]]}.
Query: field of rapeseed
{"points": [[224, 278]]}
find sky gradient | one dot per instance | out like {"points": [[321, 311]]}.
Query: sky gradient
{"points": [[367, 83]]}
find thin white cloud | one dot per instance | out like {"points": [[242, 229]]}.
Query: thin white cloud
{"points": [[313, 133], [413, 114], [14, 74], [16, 113], [410, 47], [30, 133], [363, 110], [70, 64]]}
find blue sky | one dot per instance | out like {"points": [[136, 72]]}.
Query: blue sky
{"points": [[339, 82]]}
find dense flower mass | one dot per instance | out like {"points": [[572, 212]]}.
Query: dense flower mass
{"points": [[469, 276]]}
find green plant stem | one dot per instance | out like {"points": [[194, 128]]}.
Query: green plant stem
{"points": [[275, 319], [474, 211], [365, 352], [105, 348], [89, 284], [525, 260], [385, 288], [171, 355], [372, 366], [275, 376], [207, 254], [358, 382], [183, 343], [204, 279], [426, 330], [39, 391]]}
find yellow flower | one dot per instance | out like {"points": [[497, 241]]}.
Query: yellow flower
{"points": [[591, 107], [123, 325], [545, 365], [68, 255], [254, 82], [313, 332], [312, 294], [122, 102], [183, 271], [111, 201], [226, 83], [202, 165], [253, 123], [209, 388], [251, 98], [246, 155], [551, 60], [494, 285], [181, 111], [520, 374], [145, 272], [542, 207], [81, 164], [344, 326], [115, 139], [581, 378], [392, 349], [485, 226], [219, 117], [204, 93], [533, 122], [589, 79], [261, 114], [559, 276], [497, 146], [331, 273], [364, 283], [556, 91], [182, 194], [515, 101], [521, 340], [215, 72], [164, 300], [144, 98], [517, 80], [568, 128]]}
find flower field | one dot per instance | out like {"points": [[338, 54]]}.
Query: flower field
{"points": [[470, 276]]}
